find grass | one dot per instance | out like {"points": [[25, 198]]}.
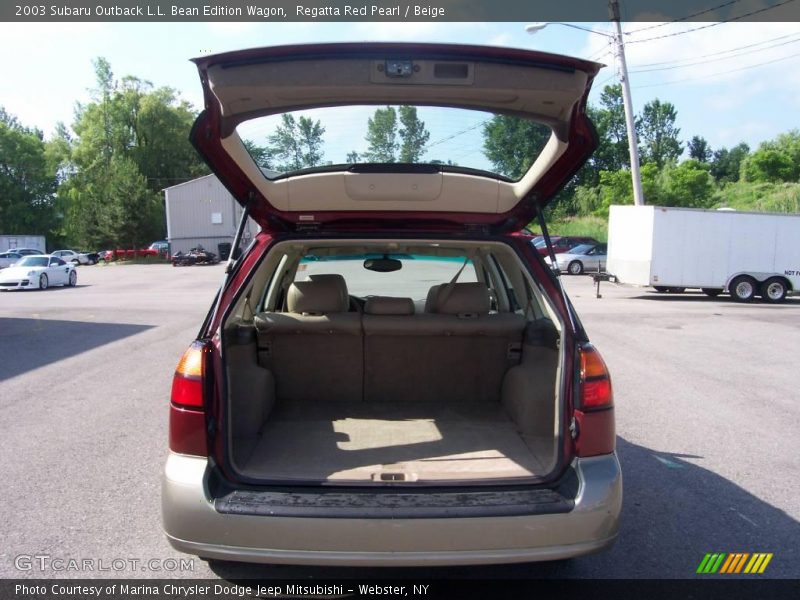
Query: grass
{"points": [[760, 197], [589, 226]]}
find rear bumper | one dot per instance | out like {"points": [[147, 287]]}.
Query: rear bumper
{"points": [[193, 525]]}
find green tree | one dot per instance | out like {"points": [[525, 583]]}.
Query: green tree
{"points": [[612, 152], [413, 135], [726, 164], [27, 180], [775, 160], [699, 149], [352, 157], [512, 144], [261, 155], [687, 184], [658, 134], [129, 134], [381, 136], [297, 142]]}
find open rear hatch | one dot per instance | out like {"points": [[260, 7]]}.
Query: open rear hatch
{"points": [[252, 84]]}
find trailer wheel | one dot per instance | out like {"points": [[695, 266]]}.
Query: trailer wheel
{"points": [[712, 292], [743, 288], [773, 290], [661, 289]]}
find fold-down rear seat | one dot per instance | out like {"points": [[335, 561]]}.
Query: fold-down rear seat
{"points": [[458, 351], [315, 350]]}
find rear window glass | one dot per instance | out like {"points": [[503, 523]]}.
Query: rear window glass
{"points": [[453, 139], [416, 276]]}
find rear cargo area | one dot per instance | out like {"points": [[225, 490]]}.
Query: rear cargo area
{"points": [[460, 417], [405, 442], [455, 382]]}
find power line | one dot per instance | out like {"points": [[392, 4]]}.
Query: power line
{"points": [[704, 62], [768, 62], [455, 135], [607, 79], [709, 25], [686, 18], [670, 62]]}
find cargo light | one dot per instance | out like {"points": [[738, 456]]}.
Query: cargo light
{"points": [[594, 413], [187, 422]]}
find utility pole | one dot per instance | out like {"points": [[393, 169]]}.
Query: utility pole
{"points": [[633, 142]]}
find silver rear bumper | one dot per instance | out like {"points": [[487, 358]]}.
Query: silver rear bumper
{"points": [[193, 525]]}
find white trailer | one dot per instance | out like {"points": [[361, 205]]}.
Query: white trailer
{"points": [[744, 253]]}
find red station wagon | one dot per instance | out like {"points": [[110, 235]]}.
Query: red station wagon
{"points": [[391, 374]]}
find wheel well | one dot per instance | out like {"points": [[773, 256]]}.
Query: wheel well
{"points": [[760, 279]]}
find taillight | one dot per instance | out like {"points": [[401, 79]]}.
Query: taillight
{"points": [[594, 413], [187, 422]]}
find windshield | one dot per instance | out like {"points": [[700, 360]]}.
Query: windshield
{"points": [[413, 280], [33, 261], [339, 137], [582, 249]]}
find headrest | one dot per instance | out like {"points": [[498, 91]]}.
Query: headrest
{"points": [[315, 298], [337, 280], [384, 305], [462, 299], [430, 301]]}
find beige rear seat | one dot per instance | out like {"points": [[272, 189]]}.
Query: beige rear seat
{"points": [[315, 350], [457, 351]]}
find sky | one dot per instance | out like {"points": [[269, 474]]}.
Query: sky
{"points": [[729, 82]]}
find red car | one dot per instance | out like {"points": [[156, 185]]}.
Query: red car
{"points": [[561, 243], [390, 374]]}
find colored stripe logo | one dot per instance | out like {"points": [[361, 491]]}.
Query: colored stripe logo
{"points": [[736, 562]]}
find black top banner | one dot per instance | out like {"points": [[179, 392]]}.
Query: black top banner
{"points": [[397, 10]]}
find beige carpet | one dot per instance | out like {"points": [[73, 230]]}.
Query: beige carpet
{"points": [[360, 443]]}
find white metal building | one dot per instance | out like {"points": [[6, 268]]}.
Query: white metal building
{"points": [[202, 211], [9, 242]]}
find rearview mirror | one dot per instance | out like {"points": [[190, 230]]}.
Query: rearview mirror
{"points": [[383, 265]]}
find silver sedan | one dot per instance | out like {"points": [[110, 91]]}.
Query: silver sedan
{"points": [[586, 257]]}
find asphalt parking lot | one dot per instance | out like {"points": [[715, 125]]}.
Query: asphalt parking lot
{"points": [[707, 411]]}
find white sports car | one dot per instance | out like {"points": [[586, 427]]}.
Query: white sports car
{"points": [[38, 272]]}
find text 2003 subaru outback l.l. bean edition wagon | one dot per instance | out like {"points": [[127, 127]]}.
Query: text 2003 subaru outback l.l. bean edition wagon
{"points": [[391, 375]]}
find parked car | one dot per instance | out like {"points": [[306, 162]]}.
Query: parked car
{"points": [[9, 258], [586, 257], [105, 255], [561, 244], [162, 246], [93, 257], [422, 392], [76, 258], [38, 272], [28, 251]]}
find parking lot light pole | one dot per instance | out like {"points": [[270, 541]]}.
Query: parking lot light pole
{"points": [[633, 142]]}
